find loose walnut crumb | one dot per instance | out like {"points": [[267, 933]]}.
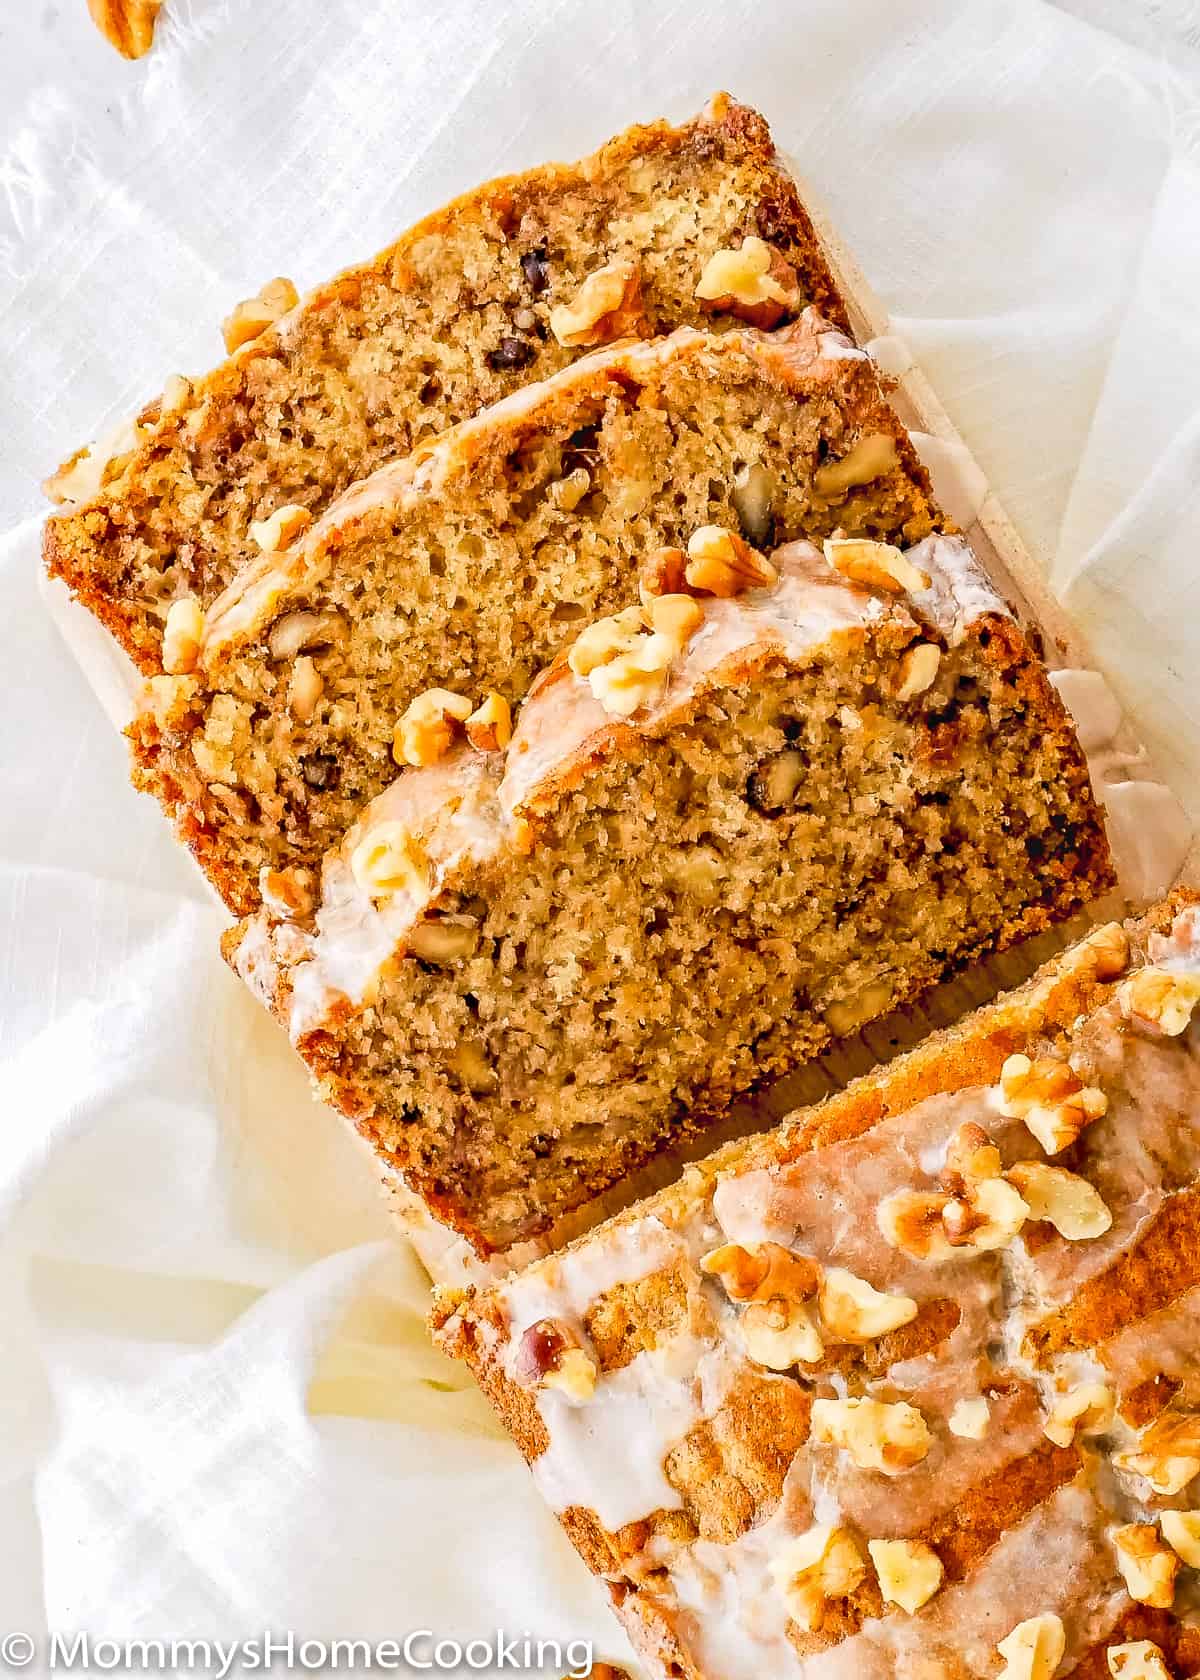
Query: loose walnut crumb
{"points": [[853, 1311], [890, 1436], [1109, 950], [871, 457], [1072, 1205], [427, 729], [909, 1572], [305, 688], [814, 1569], [296, 631], [1050, 1097], [877, 565], [1083, 1410], [286, 892], [489, 727], [753, 281], [969, 1419], [551, 1355], [662, 572], [1167, 1454], [281, 528], [722, 563], [1034, 1649], [918, 669], [183, 635], [1160, 1000], [444, 939], [251, 318], [608, 305], [1181, 1531], [389, 859], [127, 25], [1141, 1659], [1148, 1566]]}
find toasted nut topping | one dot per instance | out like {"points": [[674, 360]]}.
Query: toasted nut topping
{"points": [[489, 727], [909, 1571], [389, 859], [754, 282], [604, 640], [1033, 1650], [877, 1434], [987, 1217], [815, 1568], [1109, 948], [127, 25], [286, 892], [281, 529], [440, 940], [780, 1332], [427, 729], [1082, 1411], [253, 316], [296, 631], [305, 688], [969, 1419], [1139, 1660], [1167, 1453], [624, 667], [918, 669], [607, 305], [911, 1220], [761, 1272], [878, 565], [721, 563], [677, 617], [1148, 1566], [1052, 1100], [871, 457], [1181, 1531], [971, 1156], [852, 1311], [183, 634], [567, 493], [1160, 1000], [635, 678], [753, 500], [1072, 1205], [550, 1355], [662, 573]]}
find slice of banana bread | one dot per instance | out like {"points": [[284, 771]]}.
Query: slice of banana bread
{"points": [[470, 563], [911, 1385], [713, 843], [506, 284]]}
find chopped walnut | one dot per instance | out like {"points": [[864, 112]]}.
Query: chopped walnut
{"points": [[426, 731], [878, 565], [1167, 1454], [286, 892], [388, 860], [1181, 1531], [1083, 1410], [969, 1419], [1148, 1566], [1051, 1098], [909, 1572], [772, 787], [762, 1271], [566, 493], [608, 305], [918, 669], [662, 573], [127, 25], [817, 1567], [1140, 1659], [296, 631], [911, 1220], [677, 617], [551, 1355], [753, 281], [871, 457], [176, 392], [853, 1311], [1160, 1000], [1073, 1206], [722, 563], [604, 639], [890, 1436], [281, 528], [625, 667], [1108, 947], [780, 1333], [753, 500], [443, 940], [635, 678], [306, 685], [986, 1217], [251, 318], [1034, 1649], [971, 1157], [489, 727], [183, 636]]}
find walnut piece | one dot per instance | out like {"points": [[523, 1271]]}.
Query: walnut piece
{"points": [[852, 1311], [1083, 1410], [426, 731], [762, 1271], [918, 669], [305, 688], [389, 860], [971, 1157], [489, 727], [1034, 1649], [909, 1571], [677, 617], [1181, 1531], [608, 305], [281, 528], [183, 635], [877, 565], [911, 1220], [780, 1333], [987, 1217], [1160, 1000], [662, 573], [566, 493], [551, 1355], [1141, 1659], [722, 563], [1073, 1206], [443, 940], [753, 281], [294, 632], [1108, 947], [286, 892], [251, 318], [624, 666], [1148, 1566], [871, 457], [1050, 1097], [1167, 1454], [890, 1436], [969, 1419], [817, 1567], [127, 25], [753, 500]]}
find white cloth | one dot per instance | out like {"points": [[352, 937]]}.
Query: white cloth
{"points": [[218, 1411]]}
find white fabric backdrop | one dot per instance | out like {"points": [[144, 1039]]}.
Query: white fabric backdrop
{"points": [[217, 1409]]}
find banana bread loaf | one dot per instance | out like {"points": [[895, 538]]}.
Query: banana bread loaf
{"points": [[506, 284], [910, 1386], [728, 827], [470, 563]]}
